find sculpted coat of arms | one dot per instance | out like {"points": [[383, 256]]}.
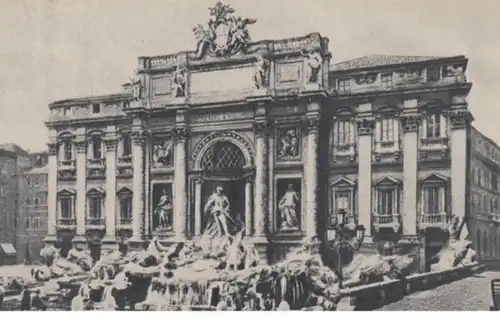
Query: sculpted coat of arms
{"points": [[225, 34]]}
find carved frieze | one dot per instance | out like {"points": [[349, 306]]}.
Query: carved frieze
{"points": [[288, 142], [163, 151]]}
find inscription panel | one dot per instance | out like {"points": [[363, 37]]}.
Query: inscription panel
{"points": [[287, 110], [222, 80], [221, 117], [161, 86], [289, 72], [158, 124]]}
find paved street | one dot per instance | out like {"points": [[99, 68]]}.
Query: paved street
{"points": [[470, 294]]}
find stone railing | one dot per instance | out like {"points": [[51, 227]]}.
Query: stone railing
{"points": [[375, 295], [433, 220], [392, 221]]}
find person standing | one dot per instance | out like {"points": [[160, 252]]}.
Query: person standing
{"points": [[25, 300]]}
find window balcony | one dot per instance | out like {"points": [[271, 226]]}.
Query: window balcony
{"points": [[66, 169], [66, 223], [67, 164], [124, 165], [434, 143], [387, 221], [344, 151], [433, 220], [96, 167], [124, 223], [96, 163], [95, 223]]}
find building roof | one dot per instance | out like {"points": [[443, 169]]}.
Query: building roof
{"points": [[14, 149], [378, 60], [90, 99]]}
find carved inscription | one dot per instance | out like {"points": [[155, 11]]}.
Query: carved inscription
{"points": [[226, 116]]}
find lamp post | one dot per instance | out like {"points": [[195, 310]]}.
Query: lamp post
{"points": [[336, 238]]}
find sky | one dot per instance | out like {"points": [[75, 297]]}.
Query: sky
{"points": [[58, 49]]}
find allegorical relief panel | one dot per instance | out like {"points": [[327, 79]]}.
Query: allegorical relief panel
{"points": [[289, 204], [288, 144], [162, 207], [163, 152]]}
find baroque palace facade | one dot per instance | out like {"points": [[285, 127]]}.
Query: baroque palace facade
{"points": [[383, 137]]}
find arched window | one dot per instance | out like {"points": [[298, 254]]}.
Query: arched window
{"points": [[222, 156]]}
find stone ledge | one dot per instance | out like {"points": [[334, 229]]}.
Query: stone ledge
{"points": [[375, 295]]}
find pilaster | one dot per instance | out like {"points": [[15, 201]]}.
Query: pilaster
{"points": [[180, 132], [81, 182], [248, 206], [138, 137], [52, 193], [110, 204], [261, 128], [311, 169], [409, 214], [365, 126], [460, 121]]}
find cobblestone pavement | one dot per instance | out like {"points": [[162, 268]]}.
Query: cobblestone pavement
{"points": [[470, 294]]}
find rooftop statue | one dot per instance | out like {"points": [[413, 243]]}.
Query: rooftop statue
{"points": [[226, 34]]}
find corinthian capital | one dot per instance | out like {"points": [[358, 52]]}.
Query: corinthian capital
{"points": [[52, 145], [138, 136], [81, 145], [365, 126], [410, 123], [460, 119], [111, 144], [180, 133], [312, 124], [261, 127]]}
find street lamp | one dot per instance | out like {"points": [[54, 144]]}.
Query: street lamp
{"points": [[336, 238]]}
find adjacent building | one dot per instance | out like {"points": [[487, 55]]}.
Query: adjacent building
{"points": [[32, 212], [484, 205], [13, 162], [383, 137]]}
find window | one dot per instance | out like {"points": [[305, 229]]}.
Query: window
{"points": [[387, 80], [125, 206], [387, 201], [37, 201], [433, 199], [37, 181], [344, 85], [67, 150], [433, 124], [343, 200], [127, 146], [343, 195], [387, 130], [66, 204], [343, 133], [96, 148], [95, 204], [2, 191], [28, 181], [96, 108]]}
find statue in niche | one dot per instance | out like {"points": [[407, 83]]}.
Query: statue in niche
{"points": [[288, 144], [260, 76], [136, 89], [219, 219], [162, 152], [286, 206], [314, 62], [163, 212], [179, 82]]}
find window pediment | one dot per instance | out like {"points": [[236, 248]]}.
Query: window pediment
{"points": [[95, 133], [66, 192], [434, 178], [66, 136], [96, 192], [432, 105], [388, 181], [124, 192], [388, 110], [345, 112], [344, 182]]}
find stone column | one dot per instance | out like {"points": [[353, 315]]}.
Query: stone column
{"points": [[409, 214], [180, 181], [311, 172], [365, 133], [81, 177], [138, 140], [110, 204], [248, 207], [460, 121], [261, 128], [197, 207], [52, 193]]}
